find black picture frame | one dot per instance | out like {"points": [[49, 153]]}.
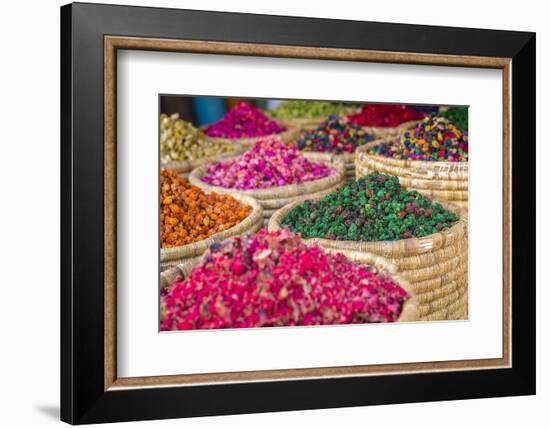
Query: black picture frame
{"points": [[83, 396]]}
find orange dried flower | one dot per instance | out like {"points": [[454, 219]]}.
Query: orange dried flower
{"points": [[188, 215]]}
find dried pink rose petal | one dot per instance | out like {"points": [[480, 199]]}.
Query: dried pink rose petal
{"points": [[276, 279], [269, 163], [243, 121]]}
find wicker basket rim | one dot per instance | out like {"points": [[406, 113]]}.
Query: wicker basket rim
{"points": [[404, 126], [287, 133], [409, 163], [188, 164]]}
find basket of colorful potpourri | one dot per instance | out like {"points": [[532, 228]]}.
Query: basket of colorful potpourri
{"points": [[244, 124], [275, 279], [431, 158], [306, 114], [426, 240], [191, 219], [335, 137], [272, 173], [385, 120], [184, 147]]}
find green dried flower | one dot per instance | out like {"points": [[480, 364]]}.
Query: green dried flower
{"points": [[293, 109], [373, 208]]}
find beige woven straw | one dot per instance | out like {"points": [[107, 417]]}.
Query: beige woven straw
{"points": [[410, 311], [288, 134], [390, 131], [302, 123], [430, 264], [190, 254]]}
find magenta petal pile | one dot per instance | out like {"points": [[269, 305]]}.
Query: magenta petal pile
{"points": [[276, 279], [243, 121], [269, 163]]}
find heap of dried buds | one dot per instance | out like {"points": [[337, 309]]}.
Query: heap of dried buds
{"points": [[187, 214], [335, 135], [243, 121], [373, 208], [433, 139], [181, 141], [292, 109], [275, 279], [385, 115], [269, 163]]}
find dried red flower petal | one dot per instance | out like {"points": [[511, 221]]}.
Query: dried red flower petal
{"points": [[276, 279]]}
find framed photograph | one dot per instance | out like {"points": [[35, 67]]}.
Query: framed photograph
{"points": [[265, 213]]}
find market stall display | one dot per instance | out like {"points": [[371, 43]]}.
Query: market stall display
{"points": [[427, 241]]}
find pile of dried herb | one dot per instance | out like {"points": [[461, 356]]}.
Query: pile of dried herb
{"points": [[181, 141], [373, 208], [335, 135], [188, 215], [293, 109]]}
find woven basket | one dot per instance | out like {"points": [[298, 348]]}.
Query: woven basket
{"points": [[439, 180], [191, 253], [436, 266], [309, 123], [272, 199], [390, 131], [184, 168], [288, 134], [303, 123], [410, 311]]}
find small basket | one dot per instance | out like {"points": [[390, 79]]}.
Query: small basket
{"points": [[390, 131]]}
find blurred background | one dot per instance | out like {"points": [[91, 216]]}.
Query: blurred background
{"points": [[204, 110]]}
